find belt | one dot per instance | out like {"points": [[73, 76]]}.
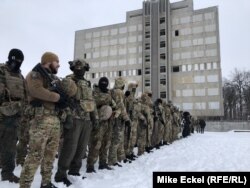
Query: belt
{"points": [[44, 111]]}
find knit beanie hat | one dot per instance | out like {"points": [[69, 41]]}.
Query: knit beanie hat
{"points": [[49, 57], [15, 54]]}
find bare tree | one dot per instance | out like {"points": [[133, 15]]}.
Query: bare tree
{"points": [[240, 81], [230, 99]]}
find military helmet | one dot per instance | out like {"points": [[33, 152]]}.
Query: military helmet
{"points": [[69, 86], [119, 82], [132, 85], [149, 93], [78, 64], [105, 112]]}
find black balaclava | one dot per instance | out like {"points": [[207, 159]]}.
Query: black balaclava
{"points": [[103, 84], [15, 60]]}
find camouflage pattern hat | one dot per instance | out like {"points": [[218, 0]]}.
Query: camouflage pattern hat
{"points": [[119, 83], [105, 112], [69, 86]]}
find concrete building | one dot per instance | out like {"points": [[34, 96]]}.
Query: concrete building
{"points": [[168, 48]]}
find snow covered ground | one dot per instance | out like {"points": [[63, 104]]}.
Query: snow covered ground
{"points": [[212, 151]]}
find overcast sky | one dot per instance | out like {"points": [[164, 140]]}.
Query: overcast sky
{"points": [[49, 25]]}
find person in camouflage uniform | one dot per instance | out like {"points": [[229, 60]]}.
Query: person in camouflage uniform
{"points": [[176, 122], [100, 138], [45, 125], [144, 116], [121, 118], [168, 127], [79, 124], [130, 104], [149, 146], [12, 100], [159, 124]]}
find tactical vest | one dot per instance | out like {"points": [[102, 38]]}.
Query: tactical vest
{"points": [[85, 96], [12, 91], [14, 85], [102, 98]]}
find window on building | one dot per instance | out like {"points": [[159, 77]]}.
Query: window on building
{"points": [[147, 83], [147, 23], [138, 71], [163, 81], [162, 44], [176, 33], [162, 20], [124, 73], [176, 69], [85, 56], [147, 46], [93, 75], [163, 95], [147, 34], [147, 70], [162, 68], [120, 73], [163, 56], [147, 58], [162, 32]]}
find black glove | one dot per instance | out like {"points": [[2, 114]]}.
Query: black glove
{"points": [[128, 123], [62, 103]]}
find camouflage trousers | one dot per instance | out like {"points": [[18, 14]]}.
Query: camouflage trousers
{"points": [[167, 131], [99, 144], [129, 146], [116, 150], [175, 131], [141, 140], [150, 132], [23, 141], [160, 133], [8, 141], [44, 139]]}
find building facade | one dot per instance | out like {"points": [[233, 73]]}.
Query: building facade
{"points": [[167, 48]]}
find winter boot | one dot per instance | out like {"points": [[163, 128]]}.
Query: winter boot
{"points": [[90, 169], [11, 178], [105, 166], [117, 164], [49, 185], [63, 180]]}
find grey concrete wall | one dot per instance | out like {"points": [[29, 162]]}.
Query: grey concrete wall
{"points": [[223, 126]]}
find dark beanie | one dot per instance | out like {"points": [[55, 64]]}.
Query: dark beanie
{"points": [[15, 54], [103, 81]]}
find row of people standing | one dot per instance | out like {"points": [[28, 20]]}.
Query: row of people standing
{"points": [[110, 122]]}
